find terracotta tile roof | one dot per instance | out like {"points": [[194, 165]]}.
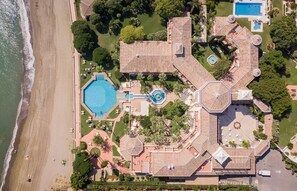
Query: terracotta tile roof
{"points": [[215, 96], [184, 170], [86, 7], [240, 158], [246, 55], [165, 56], [146, 56], [195, 73], [222, 27], [247, 59], [130, 146]]}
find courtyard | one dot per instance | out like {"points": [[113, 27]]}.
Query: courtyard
{"points": [[237, 124]]}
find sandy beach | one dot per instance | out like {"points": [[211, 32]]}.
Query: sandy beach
{"points": [[45, 139]]}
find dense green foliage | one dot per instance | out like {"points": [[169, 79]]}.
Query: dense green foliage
{"points": [[176, 108], [290, 165], [145, 122], [80, 26], [82, 163], [101, 56], [130, 33], [104, 164], [160, 185], [98, 140], [270, 86], [290, 145], [78, 181], [169, 8], [83, 145], [85, 40], [81, 168], [158, 36], [276, 60], [164, 126], [283, 32], [221, 68]]}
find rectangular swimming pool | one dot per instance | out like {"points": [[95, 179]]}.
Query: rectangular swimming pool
{"points": [[248, 9]]}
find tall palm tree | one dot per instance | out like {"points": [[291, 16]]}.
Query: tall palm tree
{"points": [[162, 77], [140, 76], [194, 4]]}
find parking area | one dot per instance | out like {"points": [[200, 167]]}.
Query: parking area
{"points": [[281, 179]]}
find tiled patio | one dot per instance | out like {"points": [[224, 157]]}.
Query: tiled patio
{"points": [[237, 124]]}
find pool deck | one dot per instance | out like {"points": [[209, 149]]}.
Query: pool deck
{"points": [[95, 74], [264, 10], [253, 25]]}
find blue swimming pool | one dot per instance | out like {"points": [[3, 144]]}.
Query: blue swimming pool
{"points": [[130, 96], [248, 9], [100, 96], [158, 96], [212, 59], [257, 25]]}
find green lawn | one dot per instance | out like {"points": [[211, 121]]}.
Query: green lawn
{"points": [[204, 53], [111, 70], [115, 151], [119, 130], [85, 129], [150, 23], [224, 8], [95, 150], [115, 113], [278, 4], [265, 34], [77, 9], [288, 126], [292, 80]]}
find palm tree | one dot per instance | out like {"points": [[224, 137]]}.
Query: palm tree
{"points": [[99, 68], [194, 4], [162, 77], [177, 88], [140, 76], [150, 77], [98, 140], [145, 89]]}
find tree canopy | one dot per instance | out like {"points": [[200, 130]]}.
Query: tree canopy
{"points": [[283, 32], [276, 60], [101, 56], [169, 8], [130, 33], [176, 108], [78, 181], [270, 86], [80, 26], [82, 163], [85, 39], [84, 43]]}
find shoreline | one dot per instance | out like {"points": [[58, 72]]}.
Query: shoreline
{"points": [[26, 87], [41, 139]]}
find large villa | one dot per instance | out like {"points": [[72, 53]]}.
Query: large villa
{"points": [[218, 114]]}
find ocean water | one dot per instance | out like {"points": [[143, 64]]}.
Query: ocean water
{"points": [[16, 75]]}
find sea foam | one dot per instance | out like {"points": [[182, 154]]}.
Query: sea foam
{"points": [[29, 73]]}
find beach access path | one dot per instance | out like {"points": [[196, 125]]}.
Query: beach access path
{"points": [[45, 139]]}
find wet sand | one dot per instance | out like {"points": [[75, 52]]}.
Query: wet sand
{"points": [[45, 139]]}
